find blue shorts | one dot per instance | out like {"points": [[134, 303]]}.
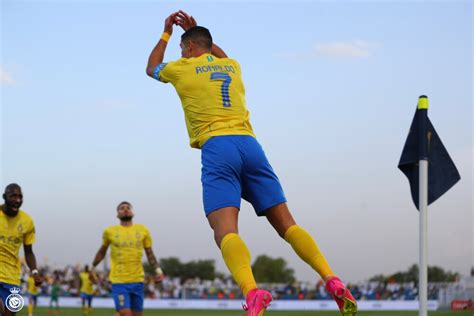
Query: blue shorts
{"points": [[33, 298], [5, 291], [235, 167], [87, 297], [129, 295]]}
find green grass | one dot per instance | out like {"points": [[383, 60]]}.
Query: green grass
{"points": [[156, 312]]}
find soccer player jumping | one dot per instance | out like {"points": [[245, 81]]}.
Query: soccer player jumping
{"points": [[127, 241], [16, 229], [234, 165]]}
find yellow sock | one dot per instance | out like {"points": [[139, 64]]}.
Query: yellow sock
{"points": [[307, 249], [237, 258], [84, 310], [89, 311], [30, 309]]}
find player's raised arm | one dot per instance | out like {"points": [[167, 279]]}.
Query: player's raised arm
{"points": [[187, 21], [158, 52]]}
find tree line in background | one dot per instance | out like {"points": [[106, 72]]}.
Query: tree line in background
{"points": [[435, 274], [275, 270], [266, 269]]}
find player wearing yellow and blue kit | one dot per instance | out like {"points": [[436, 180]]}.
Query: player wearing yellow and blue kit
{"points": [[234, 165], [86, 291], [127, 242], [16, 230], [33, 293]]}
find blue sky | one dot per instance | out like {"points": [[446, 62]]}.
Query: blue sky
{"points": [[331, 87]]}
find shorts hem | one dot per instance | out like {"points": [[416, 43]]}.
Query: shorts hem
{"points": [[261, 211], [215, 208]]}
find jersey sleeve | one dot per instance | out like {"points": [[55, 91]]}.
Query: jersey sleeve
{"points": [[29, 236], [147, 242], [166, 72], [105, 238]]}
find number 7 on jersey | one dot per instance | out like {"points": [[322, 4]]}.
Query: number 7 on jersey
{"points": [[226, 80]]}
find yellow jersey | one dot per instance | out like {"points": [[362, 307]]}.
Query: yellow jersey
{"points": [[127, 244], [32, 289], [86, 284], [14, 233], [212, 94]]}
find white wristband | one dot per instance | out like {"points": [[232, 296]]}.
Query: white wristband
{"points": [[159, 271], [34, 272]]}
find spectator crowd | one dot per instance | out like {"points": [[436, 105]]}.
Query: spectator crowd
{"points": [[176, 288]]}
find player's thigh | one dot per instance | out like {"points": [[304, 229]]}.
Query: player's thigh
{"points": [[121, 295], [89, 300], [260, 184], [220, 173], [137, 297], [4, 292], [83, 298]]}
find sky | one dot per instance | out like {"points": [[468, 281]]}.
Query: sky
{"points": [[331, 87]]}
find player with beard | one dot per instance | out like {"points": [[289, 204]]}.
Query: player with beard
{"points": [[127, 276], [16, 229]]}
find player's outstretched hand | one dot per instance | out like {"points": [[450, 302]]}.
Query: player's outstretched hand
{"points": [[185, 20], [159, 278], [169, 23], [38, 279], [92, 276]]}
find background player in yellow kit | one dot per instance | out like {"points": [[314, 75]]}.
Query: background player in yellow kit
{"points": [[86, 291], [33, 293], [234, 165], [127, 241], [16, 230]]}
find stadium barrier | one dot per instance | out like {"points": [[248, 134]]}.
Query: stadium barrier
{"points": [[293, 305]]}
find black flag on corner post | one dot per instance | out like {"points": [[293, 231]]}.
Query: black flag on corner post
{"points": [[442, 173]]}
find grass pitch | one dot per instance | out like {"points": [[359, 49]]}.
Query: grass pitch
{"points": [[157, 312]]}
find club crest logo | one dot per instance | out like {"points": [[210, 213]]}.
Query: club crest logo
{"points": [[15, 301]]}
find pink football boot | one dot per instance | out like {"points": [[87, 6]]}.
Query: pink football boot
{"points": [[343, 297], [257, 302]]}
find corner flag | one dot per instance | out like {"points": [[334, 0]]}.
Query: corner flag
{"points": [[442, 173], [431, 173]]}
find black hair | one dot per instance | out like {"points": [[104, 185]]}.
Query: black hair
{"points": [[12, 186], [198, 34], [124, 202]]}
